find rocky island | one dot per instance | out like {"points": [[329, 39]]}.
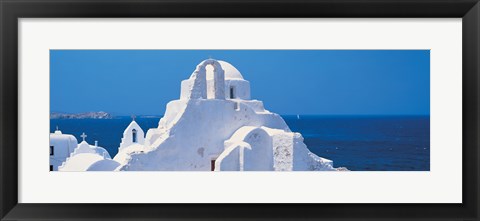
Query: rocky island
{"points": [[87, 115]]}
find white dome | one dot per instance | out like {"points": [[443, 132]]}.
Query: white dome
{"points": [[63, 141], [104, 165], [84, 147], [230, 71], [80, 162]]}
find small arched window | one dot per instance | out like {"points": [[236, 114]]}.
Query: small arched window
{"points": [[134, 136]]}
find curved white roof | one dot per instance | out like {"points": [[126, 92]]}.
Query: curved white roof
{"points": [[80, 162], [84, 147], [230, 71], [58, 136], [104, 165]]}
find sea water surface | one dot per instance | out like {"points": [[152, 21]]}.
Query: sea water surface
{"points": [[360, 143]]}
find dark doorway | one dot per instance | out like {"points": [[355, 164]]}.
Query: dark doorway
{"points": [[212, 165], [232, 92]]}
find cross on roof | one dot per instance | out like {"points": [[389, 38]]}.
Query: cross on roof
{"points": [[133, 117], [83, 136], [57, 127]]}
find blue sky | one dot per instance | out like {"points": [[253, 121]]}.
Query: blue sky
{"points": [[329, 82]]}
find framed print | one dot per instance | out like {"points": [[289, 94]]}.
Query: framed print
{"points": [[239, 110]]}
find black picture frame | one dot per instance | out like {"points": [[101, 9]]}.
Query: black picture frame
{"points": [[12, 10]]}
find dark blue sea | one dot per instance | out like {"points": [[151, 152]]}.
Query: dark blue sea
{"points": [[361, 143]]}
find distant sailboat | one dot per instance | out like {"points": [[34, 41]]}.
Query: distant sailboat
{"points": [[298, 116]]}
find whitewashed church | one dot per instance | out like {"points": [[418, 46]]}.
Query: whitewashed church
{"points": [[213, 126]]}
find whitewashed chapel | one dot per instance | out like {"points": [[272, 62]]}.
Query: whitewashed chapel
{"points": [[213, 126]]}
